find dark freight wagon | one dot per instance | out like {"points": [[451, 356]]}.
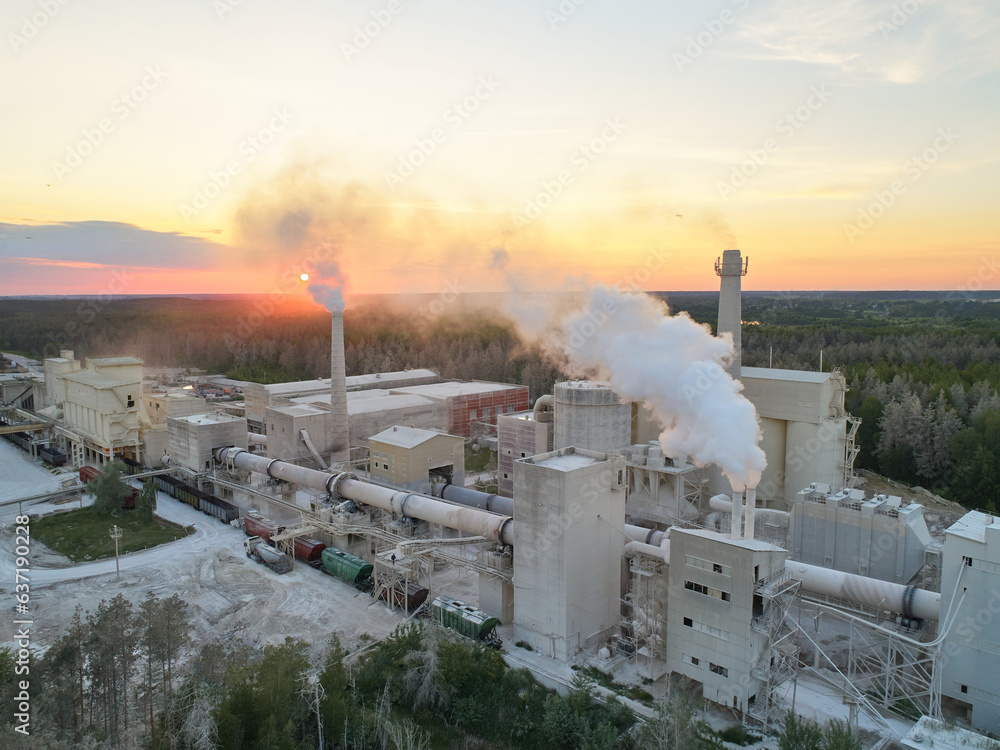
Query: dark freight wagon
{"points": [[166, 483], [408, 598], [214, 506], [53, 456], [347, 567], [309, 550]]}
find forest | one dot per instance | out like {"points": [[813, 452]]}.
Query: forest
{"points": [[923, 368], [133, 676]]}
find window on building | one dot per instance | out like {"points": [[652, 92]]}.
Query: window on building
{"points": [[716, 669], [716, 568], [523, 454], [964, 688], [725, 596], [688, 622], [506, 475], [472, 413]]}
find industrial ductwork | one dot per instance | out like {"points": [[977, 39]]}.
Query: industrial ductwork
{"points": [[345, 486], [543, 408]]}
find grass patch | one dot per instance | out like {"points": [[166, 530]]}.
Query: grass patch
{"points": [[82, 534], [525, 645], [632, 692], [476, 462]]}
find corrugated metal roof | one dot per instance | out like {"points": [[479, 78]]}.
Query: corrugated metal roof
{"points": [[113, 361], [390, 402], [449, 389], [796, 376], [405, 437]]}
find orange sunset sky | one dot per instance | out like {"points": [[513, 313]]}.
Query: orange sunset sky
{"points": [[205, 146]]}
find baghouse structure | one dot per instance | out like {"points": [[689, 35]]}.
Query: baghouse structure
{"points": [[598, 547]]}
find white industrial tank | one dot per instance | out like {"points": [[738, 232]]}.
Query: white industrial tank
{"points": [[589, 415]]}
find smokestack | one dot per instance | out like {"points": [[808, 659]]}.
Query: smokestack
{"points": [[750, 513], [340, 428], [736, 517], [731, 269]]}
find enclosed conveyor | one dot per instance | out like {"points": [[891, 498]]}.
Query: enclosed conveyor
{"points": [[346, 486]]}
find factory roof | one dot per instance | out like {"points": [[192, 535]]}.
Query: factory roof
{"points": [[298, 386], [59, 359], [795, 376], [113, 361], [390, 402], [528, 416], [752, 544], [207, 418], [585, 384], [300, 410], [406, 437], [95, 380], [972, 526], [566, 459], [451, 389], [378, 378]]}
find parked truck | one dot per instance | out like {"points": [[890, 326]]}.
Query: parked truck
{"points": [[261, 552]]}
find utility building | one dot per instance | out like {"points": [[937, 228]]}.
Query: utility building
{"points": [[410, 457], [192, 439], [521, 435], [569, 511], [102, 404]]}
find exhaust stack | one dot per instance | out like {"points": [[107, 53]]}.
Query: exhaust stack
{"points": [[340, 421]]}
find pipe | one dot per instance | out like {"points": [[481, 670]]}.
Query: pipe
{"points": [[346, 487], [751, 513], [473, 498], [723, 504], [543, 408], [304, 434], [908, 601], [652, 537], [736, 522], [254, 438], [639, 548]]}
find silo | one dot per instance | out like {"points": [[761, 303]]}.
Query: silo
{"points": [[589, 415]]}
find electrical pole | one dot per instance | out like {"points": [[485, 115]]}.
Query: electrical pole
{"points": [[116, 534]]}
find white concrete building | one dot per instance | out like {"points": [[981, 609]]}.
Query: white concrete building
{"points": [[102, 404], [193, 438], [519, 435], [569, 510]]}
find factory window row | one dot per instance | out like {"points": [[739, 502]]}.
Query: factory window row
{"points": [[702, 564], [707, 590], [694, 661], [707, 629]]}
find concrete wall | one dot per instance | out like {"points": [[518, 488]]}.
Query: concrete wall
{"points": [[879, 538], [191, 440], [569, 511], [519, 435], [589, 415], [55, 368], [105, 412], [971, 660], [160, 406], [283, 425], [709, 633]]}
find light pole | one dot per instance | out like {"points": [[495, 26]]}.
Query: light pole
{"points": [[116, 534]]}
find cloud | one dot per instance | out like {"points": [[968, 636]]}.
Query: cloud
{"points": [[108, 243], [863, 39]]}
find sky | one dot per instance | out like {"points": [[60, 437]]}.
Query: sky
{"points": [[225, 146]]}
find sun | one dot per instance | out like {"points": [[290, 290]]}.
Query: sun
{"points": [[304, 276]]}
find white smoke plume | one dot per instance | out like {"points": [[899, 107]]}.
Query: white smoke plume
{"points": [[672, 364]]}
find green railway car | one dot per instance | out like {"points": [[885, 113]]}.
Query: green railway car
{"points": [[466, 619], [346, 567]]}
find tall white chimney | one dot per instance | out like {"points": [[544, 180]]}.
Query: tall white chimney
{"points": [[340, 427], [731, 269]]}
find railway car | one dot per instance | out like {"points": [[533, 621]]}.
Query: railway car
{"points": [[89, 472], [255, 524], [309, 550], [53, 456], [408, 599], [347, 567], [467, 620], [132, 466], [167, 484], [214, 506], [190, 495]]}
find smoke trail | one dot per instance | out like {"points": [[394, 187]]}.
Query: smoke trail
{"points": [[673, 365], [328, 288]]}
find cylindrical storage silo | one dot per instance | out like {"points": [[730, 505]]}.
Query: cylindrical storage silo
{"points": [[589, 415]]}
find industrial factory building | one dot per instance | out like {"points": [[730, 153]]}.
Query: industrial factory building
{"points": [[599, 547]]}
